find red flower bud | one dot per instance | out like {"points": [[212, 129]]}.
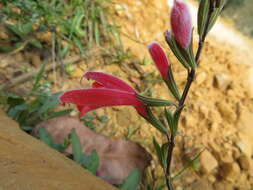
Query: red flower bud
{"points": [[160, 59], [181, 23]]}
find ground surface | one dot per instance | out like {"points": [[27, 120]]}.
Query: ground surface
{"points": [[219, 109]]}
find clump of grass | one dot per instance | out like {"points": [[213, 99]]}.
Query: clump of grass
{"points": [[72, 23]]}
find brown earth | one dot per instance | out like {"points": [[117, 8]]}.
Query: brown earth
{"points": [[27, 163], [219, 111]]}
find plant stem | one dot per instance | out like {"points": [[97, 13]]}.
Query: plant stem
{"points": [[169, 159], [171, 139]]}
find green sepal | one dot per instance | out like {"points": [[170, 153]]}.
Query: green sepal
{"points": [[183, 55], [155, 122], [153, 101], [172, 85], [203, 11], [190, 53], [174, 48]]}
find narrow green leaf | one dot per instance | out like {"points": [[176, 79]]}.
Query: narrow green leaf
{"points": [[176, 117], [97, 33], [26, 28], [214, 17], [172, 85], [203, 16], [191, 54], [45, 136], [155, 122], [36, 44], [164, 150], [79, 44], [174, 48], [158, 151], [132, 181], [38, 78], [187, 165], [186, 53], [91, 161], [50, 102], [15, 29], [170, 120], [78, 26], [76, 147], [59, 113]]}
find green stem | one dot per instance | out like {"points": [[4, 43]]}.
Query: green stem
{"points": [[190, 79]]}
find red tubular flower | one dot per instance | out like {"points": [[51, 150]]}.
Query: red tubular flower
{"points": [[107, 91], [181, 23], [160, 59]]}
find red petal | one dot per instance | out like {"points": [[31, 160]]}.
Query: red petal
{"points": [[97, 85], [181, 23], [160, 59], [93, 98], [109, 81]]}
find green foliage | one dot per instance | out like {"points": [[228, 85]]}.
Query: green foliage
{"points": [[132, 181], [91, 161], [193, 163], [37, 106], [88, 161], [81, 23], [29, 113], [47, 139], [161, 152]]}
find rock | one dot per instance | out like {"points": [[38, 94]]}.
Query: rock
{"points": [[189, 121], [244, 162], [226, 112], [213, 126], [223, 185], [226, 156], [245, 146], [203, 109], [211, 178], [208, 162], [200, 78], [201, 184], [230, 171], [248, 82], [222, 81], [27, 163]]}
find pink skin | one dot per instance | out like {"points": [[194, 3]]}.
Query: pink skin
{"points": [[160, 59], [181, 23], [105, 92]]}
